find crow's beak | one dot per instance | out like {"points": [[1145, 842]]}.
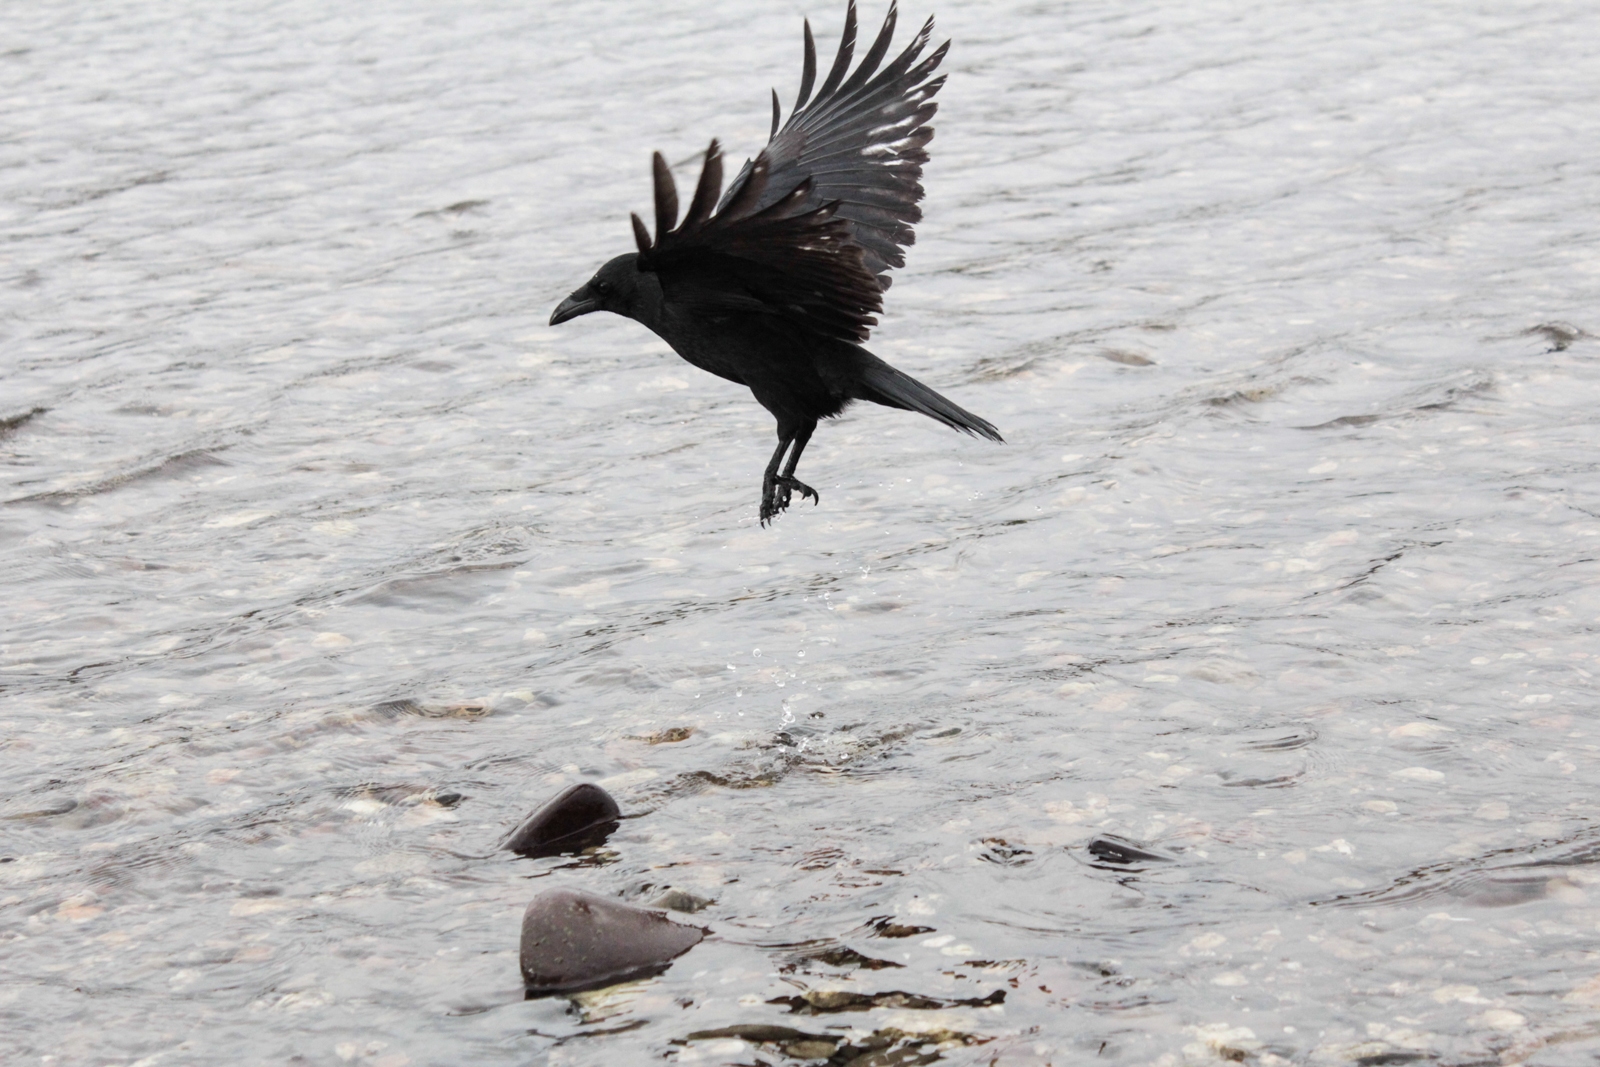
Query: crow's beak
{"points": [[579, 303]]}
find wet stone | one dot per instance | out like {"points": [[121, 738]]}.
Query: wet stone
{"points": [[796, 1044], [1111, 852], [581, 817], [59, 807], [1005, 853], [881, 1048], [681, 900], [842, 956], [831, 1001], [10, 424], [1127, 359], [573, 941], [666, 737], [393, 709], [886, 928]]}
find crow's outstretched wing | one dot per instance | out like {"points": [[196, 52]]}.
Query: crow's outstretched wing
{"points": [[861, 141], [782, 254]]}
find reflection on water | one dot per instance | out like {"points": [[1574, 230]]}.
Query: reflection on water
{"points": [[1238, 708]]}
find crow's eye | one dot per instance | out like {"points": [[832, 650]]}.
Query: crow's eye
{"points": [[602, 287]]}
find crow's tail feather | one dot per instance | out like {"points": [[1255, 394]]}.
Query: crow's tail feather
{"points": [[883, 384]]}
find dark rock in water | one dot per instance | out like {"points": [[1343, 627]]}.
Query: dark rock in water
{"points": [[828, 1001], [573, 941], [1113, 853], [796, 1044], [840, 956], [883, 927], [886, 1046], [582, 816]]}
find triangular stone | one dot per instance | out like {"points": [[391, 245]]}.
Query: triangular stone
{"points": [[573, 941]]}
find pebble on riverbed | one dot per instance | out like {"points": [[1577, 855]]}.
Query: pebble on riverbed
{"points": [[573, 941], [581, 817]]}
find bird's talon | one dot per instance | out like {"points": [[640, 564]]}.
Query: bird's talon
{"points": [[800, 487]]}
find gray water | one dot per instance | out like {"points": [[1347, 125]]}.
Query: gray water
{"points": [[325, 559]]}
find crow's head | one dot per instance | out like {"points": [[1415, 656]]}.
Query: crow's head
{"points": [[615, 287]]}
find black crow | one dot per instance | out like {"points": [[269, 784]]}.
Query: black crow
{"points": [[775, 285]]}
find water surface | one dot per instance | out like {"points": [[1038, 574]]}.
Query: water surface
{"points": [[1240, 707]]}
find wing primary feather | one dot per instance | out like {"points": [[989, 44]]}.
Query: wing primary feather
{"points": [[641, 236], [785, 206], [893, 80], [710, 186], [666, 196], [875, 54], [847, 49], [896, 70], [782, 210], [895, 76], [808, 75], [808, 229], [747, 194], [927, 66]]}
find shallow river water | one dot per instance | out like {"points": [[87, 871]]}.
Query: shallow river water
{"points": [[1241, 707]]}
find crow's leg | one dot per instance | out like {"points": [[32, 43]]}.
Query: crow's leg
{"points": [[776, 489], [769, 481], [787, 480]]}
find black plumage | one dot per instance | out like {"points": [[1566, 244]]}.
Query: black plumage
{"points": [[776, 284]]}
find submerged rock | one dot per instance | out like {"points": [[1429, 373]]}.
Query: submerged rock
{"points": [[1111, 852], [840, 956], [681, 900], [573, 941], [581, 817], [885, 927], [796, 1044], [829, 1001], [886, 1046]]}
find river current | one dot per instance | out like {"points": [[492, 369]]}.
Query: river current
{"points": [[1241, 707]]}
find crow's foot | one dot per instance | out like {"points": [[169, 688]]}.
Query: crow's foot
{"points": [[786, 483], [776, 494]]}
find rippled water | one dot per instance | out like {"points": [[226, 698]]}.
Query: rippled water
{"points": [[1240, 707]]}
